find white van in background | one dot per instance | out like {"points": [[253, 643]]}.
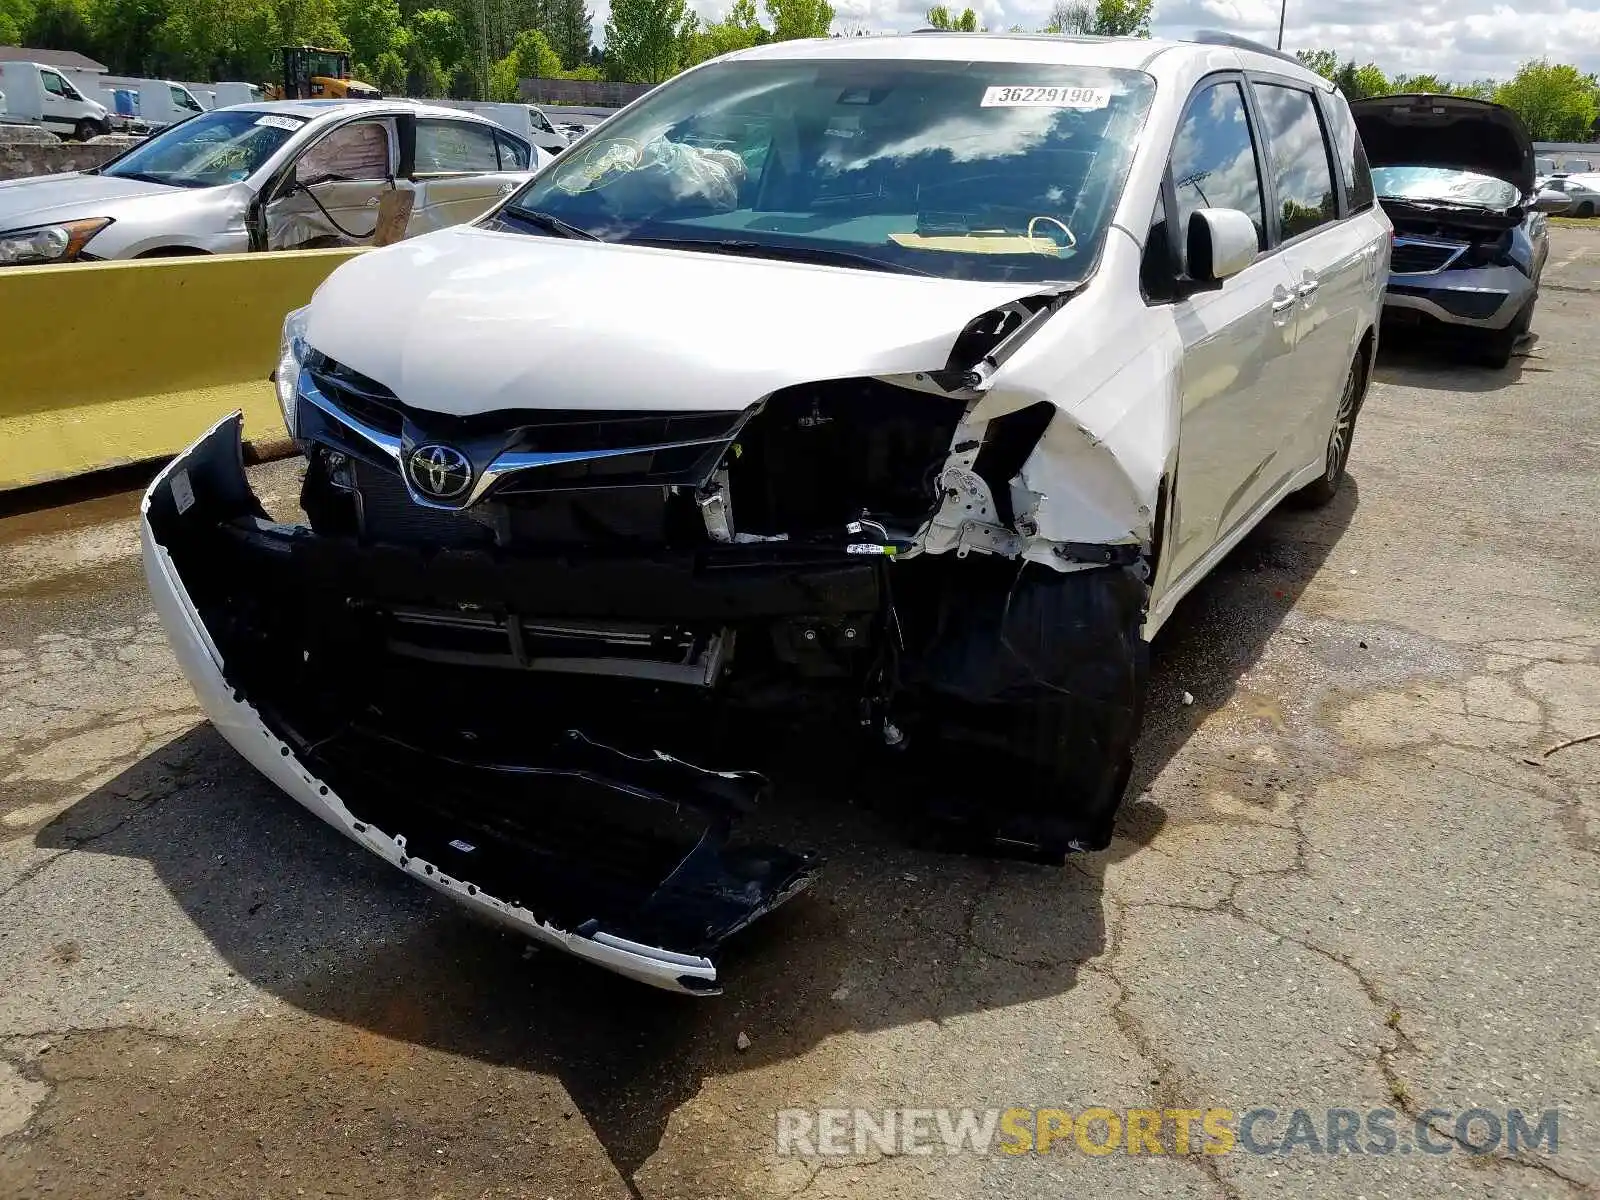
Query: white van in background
{"points": [[42, 95], [236, 93], [163, 102], [202, 93]]}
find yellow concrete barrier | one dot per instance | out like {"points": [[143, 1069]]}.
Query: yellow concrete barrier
{"points": [[104, 364]]}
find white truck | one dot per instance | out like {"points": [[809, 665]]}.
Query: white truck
{"points": [[41, 95]]}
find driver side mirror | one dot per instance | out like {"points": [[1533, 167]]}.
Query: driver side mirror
{"points": [[1552, 202], [1220, 243]]}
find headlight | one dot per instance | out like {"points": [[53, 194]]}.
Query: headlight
{"points": [[48, 243], [291, 353]]}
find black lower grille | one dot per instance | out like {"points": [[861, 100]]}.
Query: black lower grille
{"points": [[1421, 258], [388, 514]]}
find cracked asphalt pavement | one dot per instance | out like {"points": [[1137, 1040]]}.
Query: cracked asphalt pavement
{"points": [[1348, 876]]}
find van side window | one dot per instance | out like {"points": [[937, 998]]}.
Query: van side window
{"points": [[52, 82], [1351, 153], [1299, 155], [1214, 158]]}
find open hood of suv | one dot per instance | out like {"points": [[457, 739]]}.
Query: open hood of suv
{"points": [[1447, 131]]}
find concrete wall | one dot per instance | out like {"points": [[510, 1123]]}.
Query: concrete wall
{"points": [[580, 92], [22, 158], [120, 362]]}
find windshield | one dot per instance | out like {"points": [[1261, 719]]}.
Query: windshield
{"points": [[996, 171], [1442, 185], [204, 151]]}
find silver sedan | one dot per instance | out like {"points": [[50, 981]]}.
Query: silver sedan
{"points": [[1582, 190], [269, 176]]}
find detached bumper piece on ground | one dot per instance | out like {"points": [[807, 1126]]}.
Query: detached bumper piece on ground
{"points": [[520, 723]]}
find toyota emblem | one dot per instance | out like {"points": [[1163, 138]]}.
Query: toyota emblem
{"points": [[439, 472]]}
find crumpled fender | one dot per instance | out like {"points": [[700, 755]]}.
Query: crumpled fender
{"points": [[1095, 474]]}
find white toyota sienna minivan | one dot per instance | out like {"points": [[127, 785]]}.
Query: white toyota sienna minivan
{"points": [[902, 384]]}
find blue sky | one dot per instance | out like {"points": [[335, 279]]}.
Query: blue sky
{"points": [[1465, 39]]}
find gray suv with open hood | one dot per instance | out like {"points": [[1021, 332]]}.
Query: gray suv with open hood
{"points": [[1457, 178]]}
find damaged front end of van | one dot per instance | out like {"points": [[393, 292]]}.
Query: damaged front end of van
{"points": [[517, 642]]}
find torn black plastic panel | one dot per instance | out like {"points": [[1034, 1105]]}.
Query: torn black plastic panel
{"points": [[1039, 680], [480, 773]]}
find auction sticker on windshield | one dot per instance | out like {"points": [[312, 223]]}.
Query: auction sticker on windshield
{"points": [[1046, 97], [275, 121]]}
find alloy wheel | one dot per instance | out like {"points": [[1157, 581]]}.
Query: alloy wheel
{"points": [[1343, 423]]}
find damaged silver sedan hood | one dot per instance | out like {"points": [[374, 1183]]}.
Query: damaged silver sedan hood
{"points": [[469, 320]]}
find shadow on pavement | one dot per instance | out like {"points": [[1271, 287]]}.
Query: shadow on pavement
{"points": [[1413, 358], [890, 935]]}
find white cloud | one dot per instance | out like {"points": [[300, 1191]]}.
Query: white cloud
{"points": [[1457, 39]]}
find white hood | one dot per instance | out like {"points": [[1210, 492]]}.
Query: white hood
{"points": [[40, 199], [468, 321]]}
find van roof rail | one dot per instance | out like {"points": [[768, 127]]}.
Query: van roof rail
{"points": [[1215, 37]]}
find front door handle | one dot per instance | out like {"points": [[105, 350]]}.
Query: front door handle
{"points": [[1283, 302]]}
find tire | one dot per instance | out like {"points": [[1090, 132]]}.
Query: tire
{"points": [[1340, 437], [1497, 347], [86, 130], [1586, 209]]}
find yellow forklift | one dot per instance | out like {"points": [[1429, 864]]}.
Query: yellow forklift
{"points": [[310, 73]]}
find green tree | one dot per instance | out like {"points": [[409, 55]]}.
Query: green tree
{"points": [[1123, 18], [1071, 17], [437, 35], [220, 39], [127, 33], [310, 23], [644, 39], [389, 72], [373, 29], [1102, 18], [15, 15], [799, 18], [939, 17], [1357, 83], [1478, 89], [738, 30], [1428, 84], [1323, 62], [1554, 100], [59, 25], [569, 25]]}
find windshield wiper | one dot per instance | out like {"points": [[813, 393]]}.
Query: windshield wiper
{"points": [[551, 223], [812, 254], [144, 177]]}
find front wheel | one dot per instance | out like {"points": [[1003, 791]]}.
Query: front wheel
{"points": [[1337, 455], [1586, 209], [87, 130]]}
